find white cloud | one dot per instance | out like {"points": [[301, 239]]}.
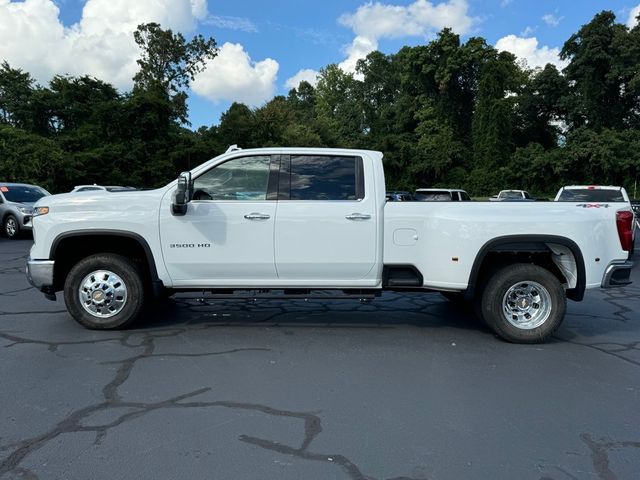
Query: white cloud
{"points": [[233, 76], [232, 23], [199, 9], [551, 20], [359, 48], [527, 49], [505, 3], [374, 21], [633, 14], [101, 44], [308, 75], [528, 31]]}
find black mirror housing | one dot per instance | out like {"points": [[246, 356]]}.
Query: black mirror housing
{"points": [[181, 195]]}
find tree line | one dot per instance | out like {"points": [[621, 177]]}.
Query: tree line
{"points": [[445, 114]]}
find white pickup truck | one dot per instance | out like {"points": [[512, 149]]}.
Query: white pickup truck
{"points": [[300, 221]]}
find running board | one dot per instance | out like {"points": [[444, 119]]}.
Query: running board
{"points": [[285, 294]]}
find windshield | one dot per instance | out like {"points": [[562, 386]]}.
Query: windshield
{"points": [[23, 193], [433, 196], [590, 195]]}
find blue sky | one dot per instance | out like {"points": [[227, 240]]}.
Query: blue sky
{"points": [[295, 35]]}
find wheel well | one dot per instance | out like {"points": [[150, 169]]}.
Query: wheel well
{"points": [[534, 249], [69, 250], [6, 215], [494, 261]]}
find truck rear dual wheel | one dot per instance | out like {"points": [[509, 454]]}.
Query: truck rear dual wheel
{"points": [[104, 292], [523, 303]]}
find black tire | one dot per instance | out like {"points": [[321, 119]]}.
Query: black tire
{"points": [[547, 304], [123, 268], [11, 227], [455, 297]]}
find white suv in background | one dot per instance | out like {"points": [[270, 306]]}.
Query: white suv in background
{"points": [[597, 195], [592, 193]]}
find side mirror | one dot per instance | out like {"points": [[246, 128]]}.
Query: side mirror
{"points": [[181, 195]]}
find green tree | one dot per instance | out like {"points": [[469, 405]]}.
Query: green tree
{"points": [[26, 157], [168, 63], [603, 64], [339, 106], [16, 90], [493, 121]]}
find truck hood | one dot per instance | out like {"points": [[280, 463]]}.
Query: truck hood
{"points": [[94, 200]]}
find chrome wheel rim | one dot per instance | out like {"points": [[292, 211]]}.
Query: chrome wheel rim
{"points": [[526, 305], [11, 227], [103, 294]]}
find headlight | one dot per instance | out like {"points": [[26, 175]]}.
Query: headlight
{"points": [[40, 211], [25, 210]]}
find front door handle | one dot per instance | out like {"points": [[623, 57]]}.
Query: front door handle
{"points": [[257, 216], [358, 216]]}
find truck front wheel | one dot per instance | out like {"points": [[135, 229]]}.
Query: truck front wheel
{"points": [[523, 303], [104, 291]]}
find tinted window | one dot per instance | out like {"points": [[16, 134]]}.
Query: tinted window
{"points": [[590, 195], [243, 178], [23, 194], [121, 189], [465, 197], [326, 178], [511, 195], [433, 196]]}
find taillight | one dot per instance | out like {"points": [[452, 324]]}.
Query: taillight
{"points": [[624, 222]]}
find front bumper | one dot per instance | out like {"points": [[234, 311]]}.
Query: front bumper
{"points": [[40, 275], [617, 274], [27, 224]]}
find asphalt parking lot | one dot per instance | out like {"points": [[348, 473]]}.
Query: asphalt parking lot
{"points": [[404, 387]]}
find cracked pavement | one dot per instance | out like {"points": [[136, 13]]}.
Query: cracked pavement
{"points": [[404, 387]]}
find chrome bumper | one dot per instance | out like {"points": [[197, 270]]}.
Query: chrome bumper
{"points": [[617, 274], [40, 275]]}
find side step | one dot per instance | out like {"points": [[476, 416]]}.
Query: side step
{"points": [[288, 293]]}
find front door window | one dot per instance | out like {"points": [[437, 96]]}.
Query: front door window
{"points": [[244, 178]]}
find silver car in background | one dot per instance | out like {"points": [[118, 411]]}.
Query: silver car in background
{"points": [[16, 207]]}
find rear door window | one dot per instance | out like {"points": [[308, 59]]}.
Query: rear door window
{"points": [[320, 177]]}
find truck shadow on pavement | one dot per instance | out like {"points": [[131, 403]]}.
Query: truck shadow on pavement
{"points": [[391, 310]]}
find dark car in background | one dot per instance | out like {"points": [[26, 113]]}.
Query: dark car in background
{"points": [[16, 207], [397, 196]]}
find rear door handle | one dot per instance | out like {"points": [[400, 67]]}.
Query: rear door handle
{"points": [[257, 216], [358, 216]]}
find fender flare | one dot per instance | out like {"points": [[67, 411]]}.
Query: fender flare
{"points": [[113, 233], [529, 243]]}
